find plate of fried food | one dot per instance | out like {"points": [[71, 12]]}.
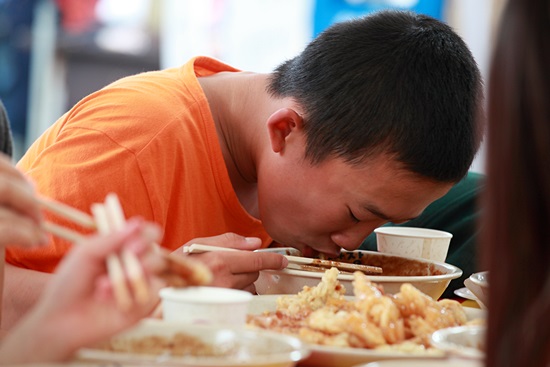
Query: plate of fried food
{"points": [[342, 330], [169, 343]]}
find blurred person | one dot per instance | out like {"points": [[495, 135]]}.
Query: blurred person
{"points": [[6, 139], [16, 19], [372, 122], [515, 244], [77, 16], [20, 215]]}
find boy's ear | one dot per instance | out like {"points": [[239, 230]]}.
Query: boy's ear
{"points": [[280, 124]]}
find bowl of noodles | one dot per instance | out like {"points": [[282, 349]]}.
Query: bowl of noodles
{"points": [[430, 277]]}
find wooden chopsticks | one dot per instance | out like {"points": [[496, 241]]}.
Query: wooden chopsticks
{"points": [[367, 269], [67, 212], [62, 232], [107, 217]]}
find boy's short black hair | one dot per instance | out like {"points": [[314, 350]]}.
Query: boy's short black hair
{"points": [[392, 82]]}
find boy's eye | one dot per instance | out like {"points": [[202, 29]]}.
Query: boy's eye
{"points": [[353, 217]]}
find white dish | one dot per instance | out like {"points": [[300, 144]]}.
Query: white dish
{"points": [[481, 278], [326, 356], [465, 293], [424, 363], [252, 348], [478, 284], [462, 341], [435, 277]]}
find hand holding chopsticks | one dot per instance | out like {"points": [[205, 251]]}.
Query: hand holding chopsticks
{"points": [[108, 217], [367, 269]]}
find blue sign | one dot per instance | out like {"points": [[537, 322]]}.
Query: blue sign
{"points": [[327, 12]]}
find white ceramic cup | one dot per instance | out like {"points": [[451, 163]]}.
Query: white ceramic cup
{"points": [[422, 243], [205, 305]]}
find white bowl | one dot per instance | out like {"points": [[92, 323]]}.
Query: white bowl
{"points": [[415, 242], [478, 284], [423, 363], [430, 277], [205, 305], [461, 341], [218, 346]]}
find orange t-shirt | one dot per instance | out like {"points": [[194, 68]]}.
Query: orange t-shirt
{"points": [[150, 138]]}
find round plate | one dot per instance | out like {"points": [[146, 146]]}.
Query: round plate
{"points": [[465, 293], [327, 356]]}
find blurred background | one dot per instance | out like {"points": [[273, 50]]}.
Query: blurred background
{"points": [[55, 52]]}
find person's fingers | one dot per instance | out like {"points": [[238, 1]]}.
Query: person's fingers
{"points": [[19, 230], [230, 269], [7, 167], [153, 263], [250, 288], [104, 291], [229, 239], [239, 269], [245, 261], [236, 281], [157, 312], [150, 233], [265, 260], [88, 256], [18, 195], [104, 287]]}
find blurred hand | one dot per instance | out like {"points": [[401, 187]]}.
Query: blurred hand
{"points": [[20, 215], [78, 307], [233, 269]]}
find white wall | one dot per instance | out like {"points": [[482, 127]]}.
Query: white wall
{"points": [[473, 20], [254, 35]]}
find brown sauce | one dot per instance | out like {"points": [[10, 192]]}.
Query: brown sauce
{"points": [[391, 265]]}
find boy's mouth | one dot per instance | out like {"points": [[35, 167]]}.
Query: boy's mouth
{"points": [[312, 253]]}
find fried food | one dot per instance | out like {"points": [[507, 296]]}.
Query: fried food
{"points": [[178, 345], [373, 319], [179, 271]]}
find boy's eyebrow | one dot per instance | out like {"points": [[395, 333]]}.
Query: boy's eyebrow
{"points": [[376, 211]]}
